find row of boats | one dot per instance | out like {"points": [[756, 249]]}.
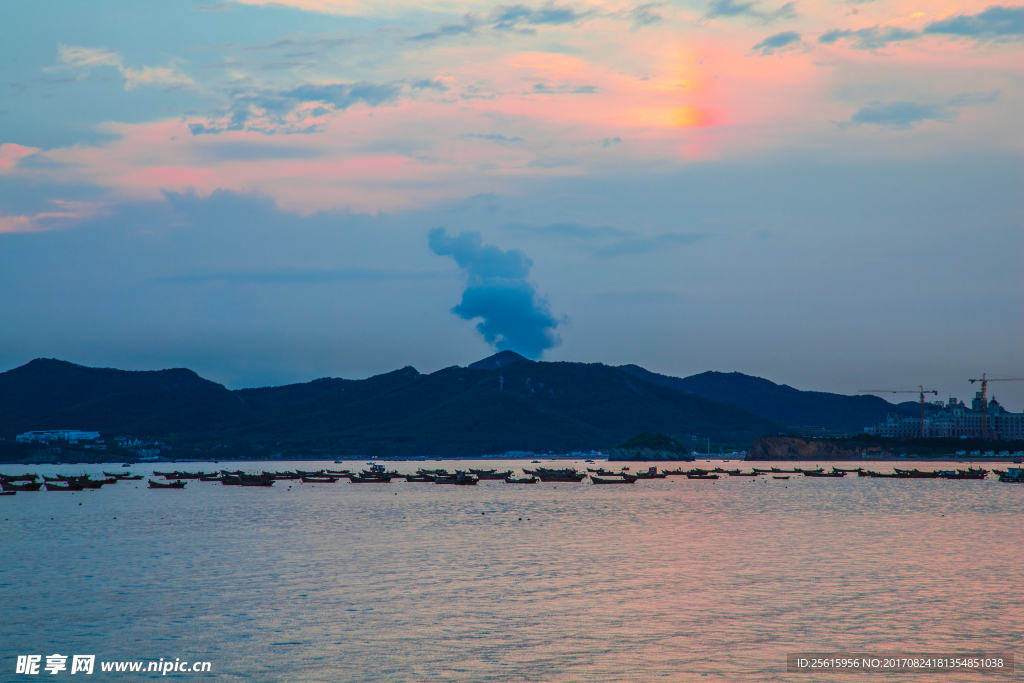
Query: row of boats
{"points": [[378, 474], [12, 484]]}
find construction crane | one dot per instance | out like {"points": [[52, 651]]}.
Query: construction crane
{"points": [[985, 379], [920, 390]]}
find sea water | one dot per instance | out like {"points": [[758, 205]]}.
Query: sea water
{"points": [[670, 579]]}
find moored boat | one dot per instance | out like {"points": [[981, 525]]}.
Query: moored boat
{"points": [[702, 476], [916, 474], [319, 480], [177, 484], [521, 480], [69, 487], [1012, 475], [27, 486], [613, 480], [18, 477], [461, 479]]}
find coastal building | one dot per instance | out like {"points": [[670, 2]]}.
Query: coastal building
{"points": [[954, 419], [72, 435]]}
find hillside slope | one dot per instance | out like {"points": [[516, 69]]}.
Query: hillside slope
{"points": [[498, 404], [778, 402]]}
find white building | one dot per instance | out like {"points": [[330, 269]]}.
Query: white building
{"points": [[954, 419], [57, 435]]}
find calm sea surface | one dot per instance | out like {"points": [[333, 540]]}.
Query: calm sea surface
{"points": [[672, 579]]}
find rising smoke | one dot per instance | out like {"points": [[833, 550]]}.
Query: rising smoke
{"points": [[512, 315]]}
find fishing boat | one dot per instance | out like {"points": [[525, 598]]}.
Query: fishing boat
{"points": [[881, 475], [702, 476], [780, 476], [792, 471], [858, 470], [257, 482], [819, 473], [651, 473], [177, 484], [492, 475], [58, 487], [318, 473], [95, 483], [1012, 475], [210, 477], [969, 473], [461, 479], [8, 493], [356, 479], [319, 480], [27, 486], [521, 480], [613, 480], [567, 474], [18, 477], [737, 473], [329, 473], [916, 474]]}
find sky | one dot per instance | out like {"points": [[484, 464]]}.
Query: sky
{"points": [[829, 195]]}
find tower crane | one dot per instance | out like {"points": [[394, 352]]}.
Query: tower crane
{"points": [[920, 390], [985, 379]]}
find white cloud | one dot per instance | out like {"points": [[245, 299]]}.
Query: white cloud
{"points": [[153, 75], [87, 57]]}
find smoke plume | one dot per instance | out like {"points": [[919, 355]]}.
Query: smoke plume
{"points": [[512, 315]]}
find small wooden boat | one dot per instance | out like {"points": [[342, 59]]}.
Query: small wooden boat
{"points": [[177, 484], [969, 473], [18, 477], [521, 480], [329, 473], [356, 479], [418, 479], [257, 482], [210, 477], [818, 473], [96, 483], [27, 486], [916, 474], [8, 493], [613, 480], [319, 480], [491, 475], [1012, 475], [744, 474], [651, 473], [458, 480], [58, 487], [318, 473], [778, 476], [702, 476], [880, 475]]}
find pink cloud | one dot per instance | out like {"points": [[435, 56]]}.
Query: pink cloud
{"points": [[10, 153]]}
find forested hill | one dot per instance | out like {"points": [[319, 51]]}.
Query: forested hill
{"points": [[499, 404], [781, 403]]}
